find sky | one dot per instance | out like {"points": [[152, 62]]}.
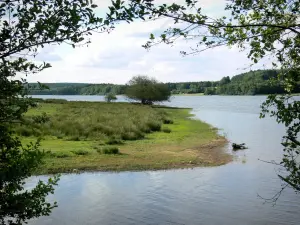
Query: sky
{"points": [[118, 56]]}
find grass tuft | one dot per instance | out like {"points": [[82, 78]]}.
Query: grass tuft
{"points": [[166, 130], [80, 152], [109, 150]]}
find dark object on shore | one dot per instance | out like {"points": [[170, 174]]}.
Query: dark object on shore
{"points": [[236, 147]]}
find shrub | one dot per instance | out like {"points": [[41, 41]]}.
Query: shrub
{"points": [[131, 136], [80, 152], [40, 119], [154, 125], [59, 155], [110, 97], [168, 121], [109, 150], [24, 131], [145, 129], [74, 138], [113, 141], [58, 101], [166, 130], [60, 136]]}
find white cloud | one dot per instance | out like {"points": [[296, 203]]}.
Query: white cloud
{"points": [[117, 56]]}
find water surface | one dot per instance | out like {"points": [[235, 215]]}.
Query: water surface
{"points": [[220, 195]]}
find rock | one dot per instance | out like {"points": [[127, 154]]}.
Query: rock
{"points": [[236, 146]]}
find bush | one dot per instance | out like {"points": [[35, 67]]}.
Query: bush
{"points": [[58, 101], [110, 97], [113, 141], [58, 154], [145, 129], [109, 150], [74, 138], [40, 119], [131, 136], [168, 121], [24, 131], [80, 152], [154, 125], [166, 130], [59, 135]]}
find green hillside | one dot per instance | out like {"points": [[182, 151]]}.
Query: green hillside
{"points": [[251, 83]]}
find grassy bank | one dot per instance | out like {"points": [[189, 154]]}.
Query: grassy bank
{"points": [[120, 136]]}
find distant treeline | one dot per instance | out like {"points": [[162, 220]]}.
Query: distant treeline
{"points": [[250, 83]]}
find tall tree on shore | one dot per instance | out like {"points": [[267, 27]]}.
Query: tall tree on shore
{"points": [[268, 28], [147, 90], [26, 26]]}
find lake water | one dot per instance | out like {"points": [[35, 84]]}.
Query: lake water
{"points": [[219, 195]]}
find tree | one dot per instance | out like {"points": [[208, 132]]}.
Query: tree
{"points": [[27, 26], [268, 28], [147, 90], [224, 80], [110, 97], [210, 91]]}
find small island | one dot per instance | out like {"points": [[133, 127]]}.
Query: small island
{"points": [[100, 136]]}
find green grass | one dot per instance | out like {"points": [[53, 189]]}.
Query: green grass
{"points": [[127, 136]]}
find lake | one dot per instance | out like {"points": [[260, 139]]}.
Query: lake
{"points": [[227, 194]]}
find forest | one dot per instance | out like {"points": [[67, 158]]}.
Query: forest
{"points": [[260, 82], [249, 83]]}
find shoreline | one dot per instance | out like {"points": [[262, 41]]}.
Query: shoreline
{"points": [[190, 143], [224, 158]]}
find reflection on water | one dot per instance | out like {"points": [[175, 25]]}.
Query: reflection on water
{"points": [[218, 195]]}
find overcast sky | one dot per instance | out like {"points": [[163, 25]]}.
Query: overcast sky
{"points": [[116, 57]]}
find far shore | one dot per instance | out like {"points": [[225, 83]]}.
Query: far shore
{"points": [[190, 94]]}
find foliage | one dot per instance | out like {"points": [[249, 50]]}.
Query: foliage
{"points": [[210, 91], [114, 141], [166, 130], [102, 89], [249, 83], [76, 89], [80, 152], [26, 27], [110, 150], [168, 121], [191, 87], [56, 88], [286, 110], [252, 83], [262, 28], [110, 97], [147, 90]]}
